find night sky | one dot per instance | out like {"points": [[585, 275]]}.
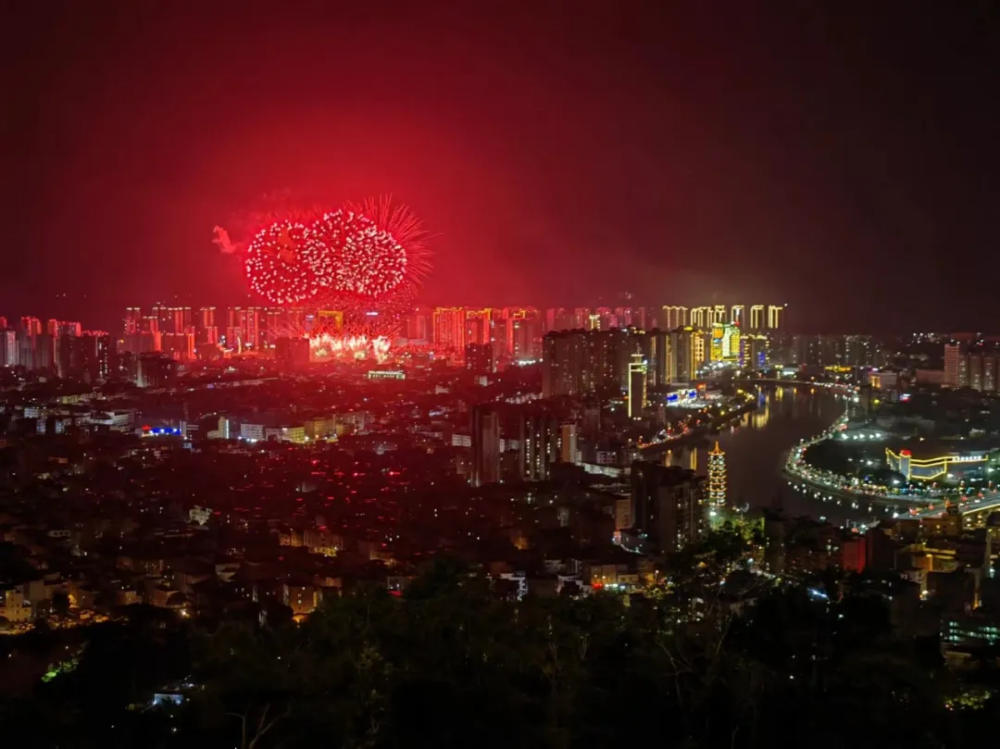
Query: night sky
{"points": [[842, 158]]}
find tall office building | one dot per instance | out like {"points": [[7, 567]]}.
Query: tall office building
{"points": [[485, 445], [636, 386]]}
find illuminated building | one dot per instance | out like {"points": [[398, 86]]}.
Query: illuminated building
{"points": [[775, 313], [560, 318], [133, 320], [715, 349], [478, 326], [725, 343], [955, 366], [737, 315], [31, 326], [702, 317], [687, 353], [636, 386], [753, 352], [927, 469], [716, 479], [523, 333], [142, 343], [9, 356], [673, 317], [485, 445], [449, 328], [731, 342], [206, 317], [568, 443], [180, 346], [719, 315], [539, 436], [206, 329], [757, 319], [657, 350], [667, 505]]}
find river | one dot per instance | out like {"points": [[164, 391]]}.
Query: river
{"points": [[756, 444]]}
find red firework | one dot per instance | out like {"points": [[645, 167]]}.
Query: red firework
{"points": [[276, 266], [365, 259]]}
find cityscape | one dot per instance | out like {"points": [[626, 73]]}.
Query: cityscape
{"points": [[360, 508]]}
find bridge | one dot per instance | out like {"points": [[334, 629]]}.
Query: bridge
{"points": [[977, 509]]}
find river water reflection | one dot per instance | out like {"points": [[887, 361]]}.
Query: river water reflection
{"points": [[755, 447]]}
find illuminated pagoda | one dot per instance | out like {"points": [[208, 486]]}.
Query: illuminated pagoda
{"points": [[716, 480]]}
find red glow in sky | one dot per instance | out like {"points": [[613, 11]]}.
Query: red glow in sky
{"points": [[557, 156]]}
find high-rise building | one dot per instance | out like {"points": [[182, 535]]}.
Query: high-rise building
{"points": [[9, 353], [955, 366], [702, 317], [636, 386], [155, 370], [449, 328], [716, 479], [775, 316], [737, 315], [753, 352], [485, 445], [667, 505], [672, 316], [758, 320], [478, 326], [179, 346], [133, 320], [568, 449], [539, 438], [525, 334], [719, 315]]}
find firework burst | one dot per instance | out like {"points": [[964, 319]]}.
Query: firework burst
{"points": [[276, 265]]}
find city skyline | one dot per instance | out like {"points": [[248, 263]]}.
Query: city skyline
{"points": [[814, 156]]}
